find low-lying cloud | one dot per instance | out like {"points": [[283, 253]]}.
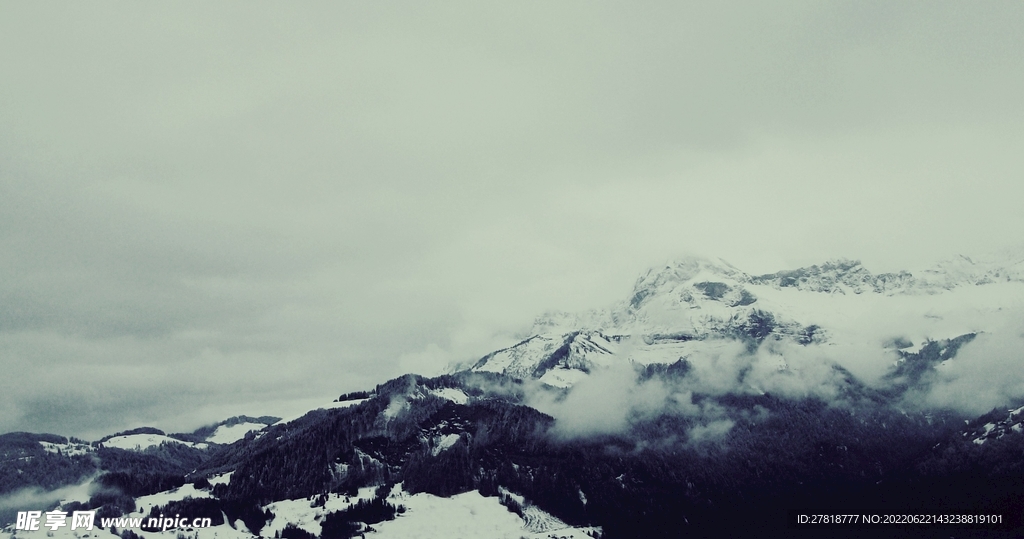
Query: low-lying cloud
{"points": [[608, 402], [38, 499], [986, 373]]}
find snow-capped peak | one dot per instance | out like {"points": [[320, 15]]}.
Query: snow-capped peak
{"points": [[961, 270], [681, 271], [837, 276], [675, 309]]}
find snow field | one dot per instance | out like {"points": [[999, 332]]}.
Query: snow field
{"points": [[464, 516], [455, 395], [140, 442], [229, 435], [68, 449]]}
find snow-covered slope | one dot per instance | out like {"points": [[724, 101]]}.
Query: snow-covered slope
{"points": [[69, 449], [146, 503], [450, 393], [470, 515], [537, 355], [467, 515], [139, 442], [227, 434]]}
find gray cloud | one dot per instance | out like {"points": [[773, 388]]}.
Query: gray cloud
{"points": [[37, 499], [210, 204], [985, 374], [613, 400], [608, 402]]}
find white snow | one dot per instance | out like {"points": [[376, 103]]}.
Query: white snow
{"points": [[455, 395], [1001, 427], [69, 449], [222, 479], [535, 520], [519, 360], [562, 377], [139, 442], [580, 351], [468, 516], [60, 533], [858, 317], [162, 498], [465, 516], [301, 512], [230, 434], [146, 503], [444, 442]]}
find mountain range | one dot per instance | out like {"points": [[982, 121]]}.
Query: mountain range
{"points": [[707, 401]]}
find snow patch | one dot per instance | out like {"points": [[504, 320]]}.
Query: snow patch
{"points": [[444, 442], [222, 479], [466, 515], [70, 449], [305, 514], [230, 434], [145, 503], [455, 395], [223, 531], [562, 377], [140, 442], [534, 519]]}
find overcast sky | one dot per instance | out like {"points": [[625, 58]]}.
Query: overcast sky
{"points": [[214, 209]]}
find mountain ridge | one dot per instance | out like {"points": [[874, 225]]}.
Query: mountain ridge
{"points": [[697, 299], [704, 390]]}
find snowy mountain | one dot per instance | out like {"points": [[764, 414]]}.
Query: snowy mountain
{"points": [[692, 304], [706, 389]]}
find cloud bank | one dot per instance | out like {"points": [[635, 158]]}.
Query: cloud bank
{"points": [[203, 207]]}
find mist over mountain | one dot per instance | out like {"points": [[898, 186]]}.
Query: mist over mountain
{"points": [[825, 388], [799, 333], [322, 270]]}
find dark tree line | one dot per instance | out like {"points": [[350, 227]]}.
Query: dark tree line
{"points": [[654, 480], [348, 522], [25, 463]]}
